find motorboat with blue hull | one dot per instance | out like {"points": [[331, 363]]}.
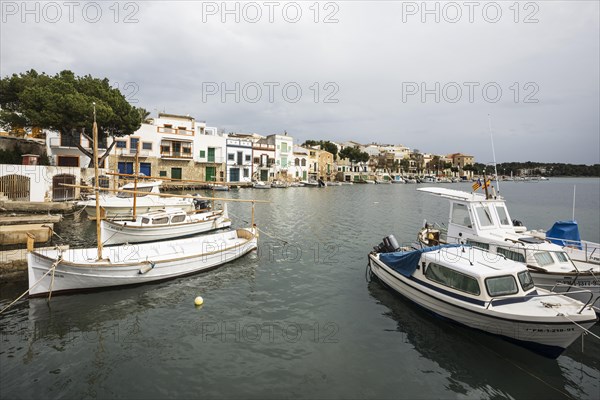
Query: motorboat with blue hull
{"points": [[495, 295]]}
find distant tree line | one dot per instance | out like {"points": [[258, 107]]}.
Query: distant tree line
{"points": [[537, 169]]}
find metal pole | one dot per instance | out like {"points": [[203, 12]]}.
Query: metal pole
{"points": [[494, 153], [97, 186]]}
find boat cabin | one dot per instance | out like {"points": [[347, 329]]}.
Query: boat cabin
{"points": [[486, 223], [167, 216]]}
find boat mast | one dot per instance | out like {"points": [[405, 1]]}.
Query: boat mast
{"points": [[96, 185], [137, 171], [494, 154], [574, 187]]}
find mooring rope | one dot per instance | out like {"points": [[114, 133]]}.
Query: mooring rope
{"points": [[51, 269], [260, 230]]}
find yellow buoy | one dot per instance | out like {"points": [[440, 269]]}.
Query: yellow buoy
{"points": [[198, 301]]}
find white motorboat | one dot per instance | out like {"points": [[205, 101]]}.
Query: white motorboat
{"points": [[261, 185], [334, 183], [584, 254], [311, 183], [462, 284], [485, 222], [120, 206], [169, 223], [217, 187], [279, 185], [59, 271], [398, 179]]}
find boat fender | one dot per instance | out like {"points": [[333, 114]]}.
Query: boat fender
{"points": [[146, 268]]}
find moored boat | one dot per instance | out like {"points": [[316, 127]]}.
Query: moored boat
{"points": [[55, 271], [169, 223], [460, 283], [484, 222], [146, 198]]}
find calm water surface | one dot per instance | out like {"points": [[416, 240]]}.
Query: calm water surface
{"points": [[295, 320]]}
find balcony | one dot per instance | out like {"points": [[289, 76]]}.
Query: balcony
{"points": [[69, 142], [175, 131], [124, 152], [176, 154]]}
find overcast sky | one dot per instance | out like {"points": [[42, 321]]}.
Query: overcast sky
{"points": [[384, 72]]}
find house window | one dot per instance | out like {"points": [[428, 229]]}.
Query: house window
{"points": [[304, 162], [248, 157], [146, 145], [162, 173], [121, 144], [256, 160], [202, 153], [230, 157], [246, 172]]}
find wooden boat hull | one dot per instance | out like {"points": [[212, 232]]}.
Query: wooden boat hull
{"points": [[134, 264], [117, 233], [549, 336]]}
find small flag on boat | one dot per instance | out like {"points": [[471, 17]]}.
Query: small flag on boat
{"points": [[476, 185], [487, 184]]}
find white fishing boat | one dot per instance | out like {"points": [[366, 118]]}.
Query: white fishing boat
{"points": [[484, 221], [398, 179], [166, 224], [120, 206], [58, 271], [334, 183], [462, 284]]}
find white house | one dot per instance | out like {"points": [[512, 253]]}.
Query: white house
{"points": [[298, 169], [239, 160]]}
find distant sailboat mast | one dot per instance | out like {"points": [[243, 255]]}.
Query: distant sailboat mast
{"points": [[494, 153]]}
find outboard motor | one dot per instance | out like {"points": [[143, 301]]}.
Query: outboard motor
{"points": [[516, 222], [389, 244], [201, 204]]}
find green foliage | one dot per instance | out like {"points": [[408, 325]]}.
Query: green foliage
{"points": [[63, 102], [549, 169], [354, 155], [324, 145]]}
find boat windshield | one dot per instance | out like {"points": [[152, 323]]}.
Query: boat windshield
{"points": [[543, 258], [562, 256], [501, 285], [525, 280], [484, 216], [460, 215], [141, 193], [503, 215]]}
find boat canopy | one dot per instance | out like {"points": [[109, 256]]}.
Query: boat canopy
{"points": [[565, 233], [405, 262]]}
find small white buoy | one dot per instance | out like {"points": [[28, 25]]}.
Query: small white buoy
{"points": [[199, 301]]}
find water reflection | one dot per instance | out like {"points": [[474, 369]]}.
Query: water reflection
{"points": [[472, 358]]}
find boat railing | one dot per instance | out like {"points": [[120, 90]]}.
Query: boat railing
{"points": [[553, 293], [590, 249]]}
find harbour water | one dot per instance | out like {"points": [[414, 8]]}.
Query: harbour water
{"points": [[295, 320]]}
